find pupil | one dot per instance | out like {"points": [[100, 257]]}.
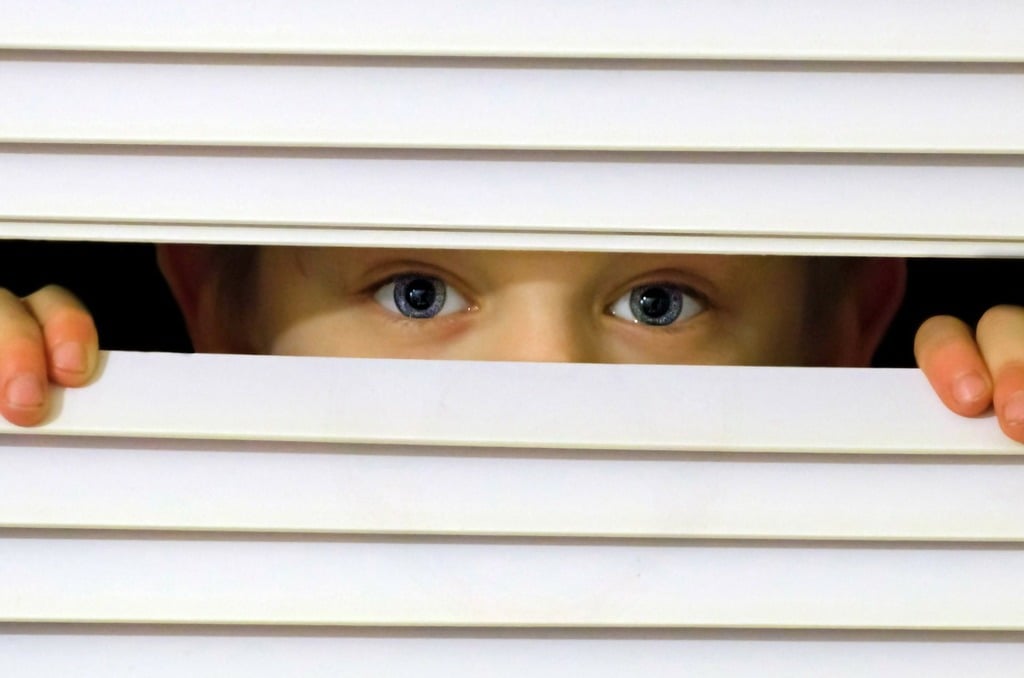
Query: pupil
{"points": [[420, 294], [655, 302]]}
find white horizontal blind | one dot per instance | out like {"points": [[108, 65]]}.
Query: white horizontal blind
{"points": [[424, 513], [411, 518], [511, 104], [804, 204], [898, 30], [103, 652], [881, 128], [393, 457]]}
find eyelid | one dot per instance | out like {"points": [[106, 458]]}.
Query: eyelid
{"points": [[695, 285], [382, 274]]}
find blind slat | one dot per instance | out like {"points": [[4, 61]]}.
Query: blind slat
{"points": [[786, 29], [459, 583], [529, 410], [709, 243], [287, 487], [933, 204], [467, 104], [146, 654]]}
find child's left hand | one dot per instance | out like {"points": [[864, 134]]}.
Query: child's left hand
{"points": [[971, 371]]}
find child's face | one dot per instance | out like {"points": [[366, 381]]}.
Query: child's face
{"points": [[538, 306]]}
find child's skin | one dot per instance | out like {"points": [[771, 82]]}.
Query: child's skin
{"points": [[535, 306]]}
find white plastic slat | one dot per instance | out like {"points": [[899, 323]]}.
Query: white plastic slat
{"points": [[710, 243], [57, 482], [458, 403], [511, 104], [810, 204], [465, 583], [147, 654], [785, 29], [904, 206]]}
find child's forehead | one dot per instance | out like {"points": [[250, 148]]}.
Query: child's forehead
{"points": [[502, 264]]}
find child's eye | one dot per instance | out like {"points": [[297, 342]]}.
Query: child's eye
{"points": [[417, 295], [657, 304]]}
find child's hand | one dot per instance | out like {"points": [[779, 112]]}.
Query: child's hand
{"points": [[971, 372], [47, 337]]}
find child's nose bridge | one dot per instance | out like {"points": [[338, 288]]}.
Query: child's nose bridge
{"points": [[541, 324], [542, 345]]}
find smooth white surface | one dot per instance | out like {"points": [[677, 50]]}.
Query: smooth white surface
{"points": [[809, 201], [457, 583], [63, 482], [512, 104], [302, 579], [143, 654], [781, 29], [546, 405]]}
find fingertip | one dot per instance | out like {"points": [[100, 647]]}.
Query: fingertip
{"points": [[72, 363], [69, 334], [950, 358], [23, 401], [72, 347], [937, 332], [1009, 400], [24, 389], [20, 417], [1011, 417], [968, 394]]}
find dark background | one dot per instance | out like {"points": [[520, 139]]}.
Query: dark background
{"points": [[134, 309]]}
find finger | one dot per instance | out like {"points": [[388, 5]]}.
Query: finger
{"points": [[1001, 338], [69, 335], [946, 351], [23, 382]]}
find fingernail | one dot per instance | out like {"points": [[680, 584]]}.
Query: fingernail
{"points": [[1013, 412], [969, 388], [69, 357], [24, 391]]}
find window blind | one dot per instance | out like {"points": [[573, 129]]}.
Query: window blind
{"points": [[256, 513], [508, 524], [900, 30], [804, 204]]}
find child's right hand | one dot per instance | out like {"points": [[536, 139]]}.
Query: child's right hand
{"points": [[47, 337], [973, 370]]}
